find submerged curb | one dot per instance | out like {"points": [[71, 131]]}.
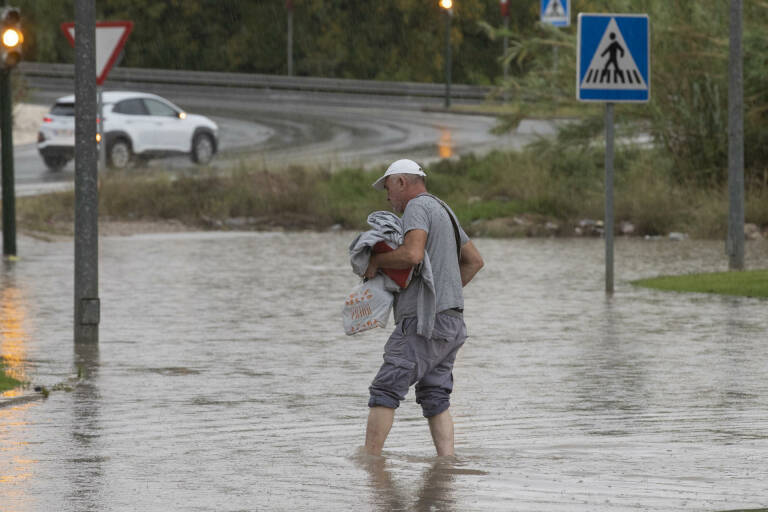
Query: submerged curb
{"points": [[25, 397]]}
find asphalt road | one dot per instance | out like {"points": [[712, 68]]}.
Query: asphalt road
{"points": [[267, 129]]}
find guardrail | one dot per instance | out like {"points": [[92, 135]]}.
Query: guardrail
{"points": [[259, 81]]}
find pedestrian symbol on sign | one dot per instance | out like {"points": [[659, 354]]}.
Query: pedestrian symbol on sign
{"points": [[612, 65], [554, 9], [555, 12]]}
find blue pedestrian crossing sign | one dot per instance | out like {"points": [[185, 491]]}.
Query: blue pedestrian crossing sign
{"points": [[614, 58], [556, 12]]}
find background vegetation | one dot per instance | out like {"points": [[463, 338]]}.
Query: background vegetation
{"points": [[386, 40], [675, 183], [688, 112], [535, 192]]}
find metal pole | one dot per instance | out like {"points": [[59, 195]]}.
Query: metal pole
{"points": [[87, 310], [506, 63], [9, 197], [608, 198], [735, 242], [447, 58], [290, 41]]}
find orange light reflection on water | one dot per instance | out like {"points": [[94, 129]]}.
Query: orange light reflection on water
{"points": [[445, 144], [12, 335]]}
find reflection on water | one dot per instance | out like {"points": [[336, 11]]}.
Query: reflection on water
{"points": [[224, 381], [12, 335], [86, 468], [445, 144], [434, 484]]}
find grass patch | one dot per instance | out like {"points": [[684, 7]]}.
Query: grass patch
{"points": [[7, 382], [750, 283]]}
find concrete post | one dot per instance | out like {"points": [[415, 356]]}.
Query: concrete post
{"points": [[87, 310]]}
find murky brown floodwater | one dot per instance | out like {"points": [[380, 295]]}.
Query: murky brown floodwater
{"points": [[224, 382]]}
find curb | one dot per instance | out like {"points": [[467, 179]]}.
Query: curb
{"points": [[443, 110], [27, 396]]}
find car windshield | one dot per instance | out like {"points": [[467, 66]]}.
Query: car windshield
{"points": [[63, 109]]}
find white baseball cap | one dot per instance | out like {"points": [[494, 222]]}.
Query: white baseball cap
{"points": [[403, 166]]}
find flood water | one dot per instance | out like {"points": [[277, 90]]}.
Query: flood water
{"points": [[223, 381]]}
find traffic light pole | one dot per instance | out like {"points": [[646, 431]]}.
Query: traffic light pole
{"points": [[9, 194]]}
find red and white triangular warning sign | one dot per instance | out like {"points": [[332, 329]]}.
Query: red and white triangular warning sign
{"points": [[110, 39]]}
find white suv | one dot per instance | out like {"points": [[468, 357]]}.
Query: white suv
{"points": [[137, 126]]}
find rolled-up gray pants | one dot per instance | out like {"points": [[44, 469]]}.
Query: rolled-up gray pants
{"points": [[413, 359]]}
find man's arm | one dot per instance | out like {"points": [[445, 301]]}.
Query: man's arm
{"points": [[406, 256], [469, 263]]}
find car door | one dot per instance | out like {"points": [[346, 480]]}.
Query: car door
{"points": [[169, 129], [131, 116]]}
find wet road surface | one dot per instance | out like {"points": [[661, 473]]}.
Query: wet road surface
{"points": [[224, 382], [274, 130]]}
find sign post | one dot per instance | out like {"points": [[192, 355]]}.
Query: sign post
{"points": [[87, 306], [557, 13], [735, 241], [97, 48], [613, 66]]}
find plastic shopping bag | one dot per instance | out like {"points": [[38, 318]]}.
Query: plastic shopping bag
{"points": [[367, 306]]}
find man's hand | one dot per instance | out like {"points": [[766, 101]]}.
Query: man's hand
{"points": [[406, 256], [373, 267]]}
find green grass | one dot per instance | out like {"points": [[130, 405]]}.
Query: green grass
{"points": [[7, 382], [750, 283]]}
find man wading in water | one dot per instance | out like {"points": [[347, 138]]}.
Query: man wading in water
{"points": [[428, 334]]}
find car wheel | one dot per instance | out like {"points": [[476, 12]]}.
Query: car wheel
{"points": [[119, 154], [202, 149], [55, 163]]}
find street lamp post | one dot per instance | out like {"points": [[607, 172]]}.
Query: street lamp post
{"points": [[504, 4], [289, 42], [447, 6]]}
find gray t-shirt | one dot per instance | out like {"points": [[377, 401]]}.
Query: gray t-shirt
{"points": [[426, 213]]}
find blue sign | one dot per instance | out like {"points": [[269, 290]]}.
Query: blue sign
{"points": [[556, 12], [614, 58]]}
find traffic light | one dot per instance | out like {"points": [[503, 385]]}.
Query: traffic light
{"points": [[11, 37]]}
